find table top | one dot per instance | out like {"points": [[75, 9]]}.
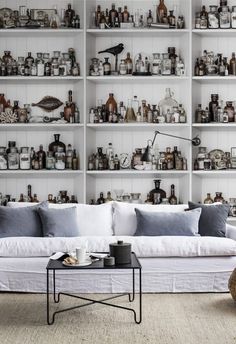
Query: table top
{"points": [[57, 265]]}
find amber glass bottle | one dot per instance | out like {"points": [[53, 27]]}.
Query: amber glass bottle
{"points": [[172, 198], [111, 104], [161, 11], [157, 190]]}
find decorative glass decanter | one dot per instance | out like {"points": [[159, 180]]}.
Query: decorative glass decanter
{"points": [[168, 103]]}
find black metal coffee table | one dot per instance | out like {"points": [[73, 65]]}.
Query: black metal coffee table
{"points": [[54, 265]]}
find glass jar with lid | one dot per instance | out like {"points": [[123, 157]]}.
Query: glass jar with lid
{"points": [[200, 157], [225, 17], [56, 54], [3, 158], [60, 159], [156, 64], [13, 159], [166, 64], [213, 18], [137, 156], [25, 159]]}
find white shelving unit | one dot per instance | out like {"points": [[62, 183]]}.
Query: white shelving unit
{"points": [[87, 90]]}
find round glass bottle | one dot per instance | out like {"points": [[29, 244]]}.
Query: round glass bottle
{"points": [[57, 143]]}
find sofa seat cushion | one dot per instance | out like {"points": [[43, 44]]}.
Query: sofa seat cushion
{"points": [[125, 221], [163, 246], [91, 219]]}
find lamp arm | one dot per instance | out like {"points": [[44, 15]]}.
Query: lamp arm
{"points": [[195, 141]]}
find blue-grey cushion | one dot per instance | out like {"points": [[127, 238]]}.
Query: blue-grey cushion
{"points": [[59, 222], [23, 221], [213, 218], [163, 223]]}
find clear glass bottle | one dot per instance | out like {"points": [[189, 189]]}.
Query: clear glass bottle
{"points": [[13, 159], [168, 103], [225, 17], [60, 159], [50, 161], [25, 163], [213, 18], [122, 67], [69, 157], [166, 64], [207, 163], [156, 64], [230, 109], [202, 151]]}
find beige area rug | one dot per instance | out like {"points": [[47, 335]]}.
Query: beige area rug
{"points": [[167, 319]]}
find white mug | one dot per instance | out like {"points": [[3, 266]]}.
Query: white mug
{"points": [[80, 254]]}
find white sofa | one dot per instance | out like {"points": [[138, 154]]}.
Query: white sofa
{"points": [[170, 264]]}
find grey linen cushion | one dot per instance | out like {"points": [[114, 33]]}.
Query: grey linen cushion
{"points": [[17, 222], [213, 219], [162, 223], [59, 222]]}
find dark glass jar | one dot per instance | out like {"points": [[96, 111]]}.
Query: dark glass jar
{"points": [[172, 56], [57, 143], [157, 191]]}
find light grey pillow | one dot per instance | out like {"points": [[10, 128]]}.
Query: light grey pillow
{"points": [[213, 218], [23, 221], [160, 223], [59, 222]]}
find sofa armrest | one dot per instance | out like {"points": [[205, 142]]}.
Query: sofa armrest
{"points": [[230, 232]]}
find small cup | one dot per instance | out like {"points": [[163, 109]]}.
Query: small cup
{"points": [[80, 254]]}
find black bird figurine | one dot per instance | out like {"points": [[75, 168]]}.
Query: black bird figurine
{"points": [[116, 50]]}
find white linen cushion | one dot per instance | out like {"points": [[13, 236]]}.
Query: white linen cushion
{"points": [[124, 217], [92, 219], [163, 246]]}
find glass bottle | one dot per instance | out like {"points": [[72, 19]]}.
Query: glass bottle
{"points": [[161, 11], [108, 198], [111, 104], [172, 198], [41, 157], [203, 18], [208, 199], [157, 190], [130, 115], [129, 64], [200, 157], [75, 161], [171, 20], [50, 161], [135, 105], [230, 109], [69, 15], [172, 56], [170, 158], [125, 15], [60, 159], [122, 67], [198, 20], [166, 64], [213, 18], [101, 199], [218, 197], [55, 20], [68, 157], [29, 193], [213, 106], [25, 159], [149, 18], [182, 114], [232, 65], [107, 66], [35, 199], [3, 158], [113, 14], [55, 144], [13, 159], [168, 103], [207, 163], [233, 17], [225, 17]]}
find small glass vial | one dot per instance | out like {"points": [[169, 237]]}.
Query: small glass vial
{"points": [[25, 159], [91, 116], [60, 159]]}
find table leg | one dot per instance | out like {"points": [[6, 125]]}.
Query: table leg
{"points": [[56, 299], [131, 298]]}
